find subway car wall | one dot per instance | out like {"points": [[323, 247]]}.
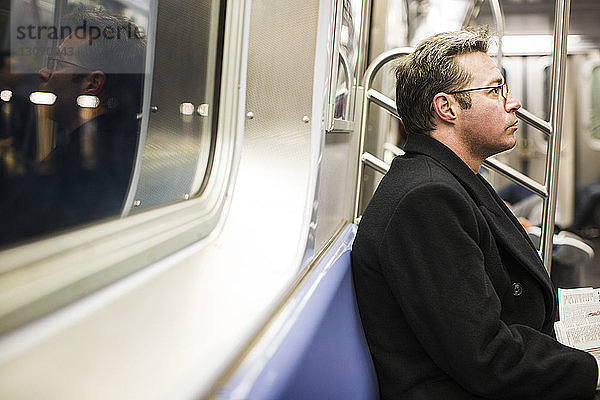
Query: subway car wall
{"points": [[173, 171]]}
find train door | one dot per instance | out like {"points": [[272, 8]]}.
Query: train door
{"points": [[588, 120]]}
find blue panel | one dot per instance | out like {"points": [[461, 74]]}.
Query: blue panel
{"points": [[320, 351]]}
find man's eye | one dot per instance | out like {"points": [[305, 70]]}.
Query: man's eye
{"points": [[495, 90]]}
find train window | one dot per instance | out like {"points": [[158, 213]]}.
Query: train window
{"points": [[70, 127], [76, 147], [108, 108], [181, 134], [595, 111]]}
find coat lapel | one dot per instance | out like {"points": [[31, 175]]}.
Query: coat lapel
{"points": [[504, 225]]}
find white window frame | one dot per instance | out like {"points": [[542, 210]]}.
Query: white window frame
{"points": [[42, 276]]}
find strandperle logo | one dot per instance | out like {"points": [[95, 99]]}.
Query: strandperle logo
{"points": [[33, 44], [84, 31]]}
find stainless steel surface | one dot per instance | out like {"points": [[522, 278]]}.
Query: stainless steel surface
{"points": [[363, 42], [516, 176], [559, 59], [347, 15], [375, 163], [177, 149], [473, 9], [499, 19], [367, 81], [392, 148], [383, 101], [338, 162], [472, 12], [342, 126], [144, 116], [536, 122]]}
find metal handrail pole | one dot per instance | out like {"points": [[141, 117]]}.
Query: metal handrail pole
{"points": [[383, 101], [516, 176], [375, 163], [380, 61], [363, 42], [557, 100], [536, 122], [499, 17], [473, 9], [375, 66]]}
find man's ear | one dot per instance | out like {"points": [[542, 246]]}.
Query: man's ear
{"points": [[95, 82], [445, 107]]}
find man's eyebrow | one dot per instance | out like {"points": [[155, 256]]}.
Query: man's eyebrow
{"points": [[498, 81]]}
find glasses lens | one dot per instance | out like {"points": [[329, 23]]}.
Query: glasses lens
{"points": [[51, 64], [505, 91]]}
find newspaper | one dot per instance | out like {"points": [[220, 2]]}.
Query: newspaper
{"points": [[579, 319]]}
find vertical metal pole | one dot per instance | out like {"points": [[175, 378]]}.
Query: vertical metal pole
{"points": [[362, 62], [367, 81], [559, 59], [363, 43], [361, 143], [499, 17]]}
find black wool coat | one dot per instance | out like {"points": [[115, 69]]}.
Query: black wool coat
{"points": [[454, 299]]}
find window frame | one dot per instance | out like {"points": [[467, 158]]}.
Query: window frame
{"points": [[42, 276], [333, 124]]}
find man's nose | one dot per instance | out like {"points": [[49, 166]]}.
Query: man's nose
{"points": [[44, 73], [512, 104]]}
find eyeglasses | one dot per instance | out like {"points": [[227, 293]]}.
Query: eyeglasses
{"points": [[503, 90], [52, 62]]}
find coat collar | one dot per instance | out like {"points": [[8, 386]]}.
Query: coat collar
{"points": [[506, 228]]}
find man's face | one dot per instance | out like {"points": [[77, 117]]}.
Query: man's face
{"points": [[488, 126], [61, 82]]}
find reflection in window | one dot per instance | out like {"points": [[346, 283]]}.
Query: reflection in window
{"points": [[70, 128], [595, 104], [71, 117]]}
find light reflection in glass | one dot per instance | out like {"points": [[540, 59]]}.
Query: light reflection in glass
{"points": [[203, 110], [6, 95], [88, 101], [45, 98], [186, 108]]}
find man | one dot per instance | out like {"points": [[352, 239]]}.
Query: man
{"points": [[96, 77], [454, 299]]}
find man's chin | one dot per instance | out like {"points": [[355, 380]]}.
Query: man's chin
{"points": [[511, 141]]}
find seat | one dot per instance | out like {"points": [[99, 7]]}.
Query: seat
{"points": [[318, 349]]}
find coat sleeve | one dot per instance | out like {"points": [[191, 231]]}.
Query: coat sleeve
{"points": [[450, 303]]}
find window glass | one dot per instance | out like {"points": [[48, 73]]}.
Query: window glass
{"points": [[184, 102], [547, 91], [595, 114], [78, 143]]}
